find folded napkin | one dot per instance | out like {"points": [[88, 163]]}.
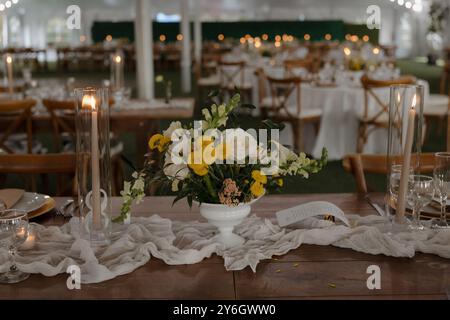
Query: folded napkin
{"points": [[9, 197]]}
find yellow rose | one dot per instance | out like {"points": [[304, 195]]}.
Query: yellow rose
{"points": [[259, 177], [158, 141], [279, 182], [257, 189], [199, 169]]}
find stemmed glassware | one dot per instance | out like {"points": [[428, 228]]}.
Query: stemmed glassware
{"points": [[13, 233], [441, 175], [420, 194]]}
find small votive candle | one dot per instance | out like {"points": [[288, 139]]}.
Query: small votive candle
{"points": [[30, 241]]}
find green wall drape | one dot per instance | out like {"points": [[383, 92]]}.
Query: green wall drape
{"points": [[317, 29]]}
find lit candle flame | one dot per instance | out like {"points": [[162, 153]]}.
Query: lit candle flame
{"points": [[376, 50], [118, 59], [414, 101], [347, 51], [88, 102], [8, 59]]}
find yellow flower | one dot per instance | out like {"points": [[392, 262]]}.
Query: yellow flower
{"points": [[158, 141], [259, 177], [200, 169], [222, 151], [257, 189], [279, 182]]}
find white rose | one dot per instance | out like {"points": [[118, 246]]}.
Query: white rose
{"points": [[175, 171], [173, 126], [243, 143]]}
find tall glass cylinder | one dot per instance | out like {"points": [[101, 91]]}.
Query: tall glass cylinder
{"points": [[93, 164], [117, 70], [404, 145]]}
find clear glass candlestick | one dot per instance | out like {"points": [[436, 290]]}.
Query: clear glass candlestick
{"points": [[93, 163], [404, 147], [441, 175]]}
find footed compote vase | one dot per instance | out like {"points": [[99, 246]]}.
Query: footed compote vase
{"points": [[225, 218]]}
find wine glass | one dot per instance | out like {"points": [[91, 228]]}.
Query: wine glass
{"points": [[420, 194], [394, 183], [13, 233], [441, 175]]}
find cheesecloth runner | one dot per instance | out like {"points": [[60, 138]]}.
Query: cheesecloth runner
{"points": [[178, 243]]}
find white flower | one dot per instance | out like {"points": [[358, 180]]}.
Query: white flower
{"points": [[242, 143], [139, 185], [173, 126], [285, 155], [177, 171], [126, 188], [206, 114]]}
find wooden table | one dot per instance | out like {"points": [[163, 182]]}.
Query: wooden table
{"points": [[322, 271]]}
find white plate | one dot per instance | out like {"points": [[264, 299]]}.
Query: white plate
{"points": [[30, 201]]}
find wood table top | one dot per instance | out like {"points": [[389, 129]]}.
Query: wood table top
{"points": [[309, 272]]}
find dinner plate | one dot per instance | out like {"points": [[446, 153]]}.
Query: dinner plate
{"points": [[30, 201], [48, 206]]}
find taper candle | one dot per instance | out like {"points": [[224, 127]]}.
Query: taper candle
{"points": [[401, 200], [9, 66], [118, 76], [89, 102]]}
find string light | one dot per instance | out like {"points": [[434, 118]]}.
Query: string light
{"points": [[179, 37], [221, 37], [162, 38]]}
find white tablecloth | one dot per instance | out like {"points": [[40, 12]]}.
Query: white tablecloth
{"points": [[341, 107]]}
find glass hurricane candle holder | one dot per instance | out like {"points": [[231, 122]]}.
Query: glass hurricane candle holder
{"points": [[93, 164], [405, 135], [117, 70]]}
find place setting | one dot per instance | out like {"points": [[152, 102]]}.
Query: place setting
{"points": [[171, 154]]}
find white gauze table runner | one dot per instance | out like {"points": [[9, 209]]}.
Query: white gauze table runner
{"points": [[178, 243]]}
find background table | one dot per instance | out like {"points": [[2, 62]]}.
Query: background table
{"points": [[309, 272]]}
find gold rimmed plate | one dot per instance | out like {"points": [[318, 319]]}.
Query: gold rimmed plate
{"points": [[48, 206]]}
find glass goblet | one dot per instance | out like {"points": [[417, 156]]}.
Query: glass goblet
{"points": [[13, 233], [441, 175], [420, 194]]}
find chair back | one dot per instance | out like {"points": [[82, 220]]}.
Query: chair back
{"points": [[13, 115], [232, 74], [32, 164], [444, 87], [291, 65], [62, 114], [380, 112], [282, 92], [359, 164]]}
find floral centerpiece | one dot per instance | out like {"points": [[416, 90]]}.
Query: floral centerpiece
{"points": [[218, 164]]}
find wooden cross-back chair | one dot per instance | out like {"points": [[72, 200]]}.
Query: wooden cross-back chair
{"points": [[43, 164], [359, 164], [15, 114], [285, 108], [372, 120], [290, 65], [62, 113], [232, 76]]}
